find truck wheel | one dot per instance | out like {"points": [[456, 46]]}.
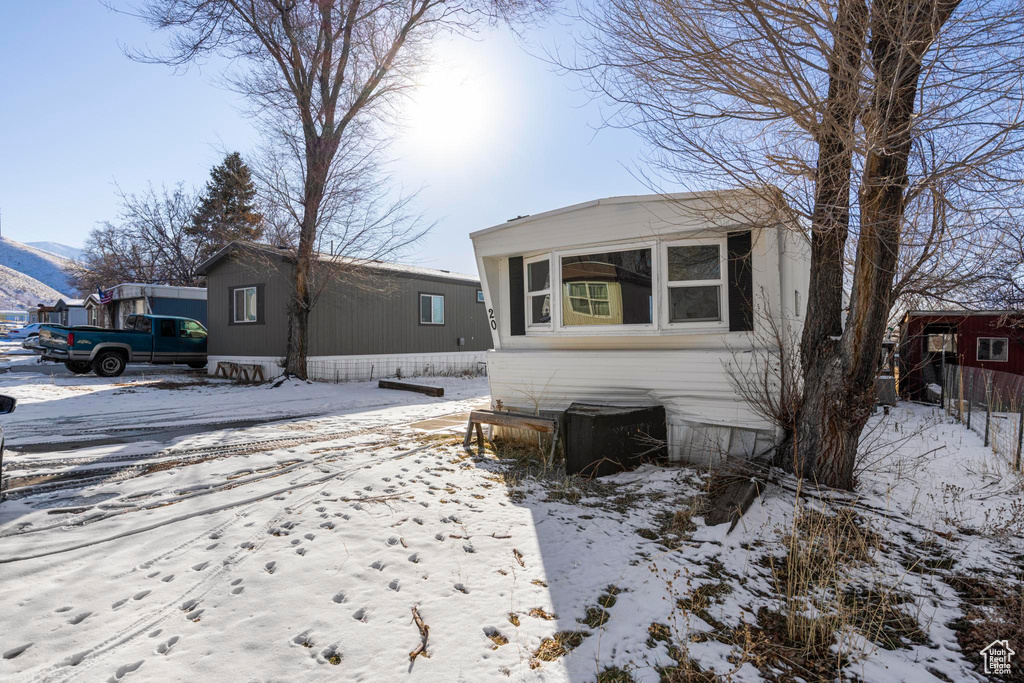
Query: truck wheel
{"points": [[79, 367], [195, 365], [108, 364]]}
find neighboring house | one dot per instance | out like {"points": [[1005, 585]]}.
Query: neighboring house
{"points": [[112, 308], [11, 318], [44, 313], [646, 300], [71, 312], [373, 319], [931, 341], [94, 311]]}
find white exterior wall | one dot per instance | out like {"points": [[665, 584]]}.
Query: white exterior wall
{"points": [[682, 368], [360, 368]]}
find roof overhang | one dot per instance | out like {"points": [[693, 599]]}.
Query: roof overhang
{"points": [[677, 197]]}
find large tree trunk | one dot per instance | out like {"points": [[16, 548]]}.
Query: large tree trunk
{"points": [[839, 384], [829, 229], [298, 312], [320, 152]]}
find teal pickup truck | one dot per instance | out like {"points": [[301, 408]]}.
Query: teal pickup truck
{"points": [[156, 339]]}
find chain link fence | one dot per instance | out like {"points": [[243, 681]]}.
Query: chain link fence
{"points": [[990, 403]]}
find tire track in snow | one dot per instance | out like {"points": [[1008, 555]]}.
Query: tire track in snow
{"points": [[100, 653], [198, 513]]}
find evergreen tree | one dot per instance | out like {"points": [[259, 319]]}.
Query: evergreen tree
{"points": [[227, 210]]}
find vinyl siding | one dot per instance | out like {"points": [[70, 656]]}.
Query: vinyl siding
{"points": [[368, 318], [267, 339], [350, 320], [693, 386]]}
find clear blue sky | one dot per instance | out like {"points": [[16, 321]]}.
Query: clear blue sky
{"points": [[76, 116]]}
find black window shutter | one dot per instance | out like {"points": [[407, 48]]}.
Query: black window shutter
{"points": [[741, 282], [261, 317], [517, 297]]}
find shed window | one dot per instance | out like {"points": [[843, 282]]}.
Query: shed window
{"points": [[934, 343], [608, 288], [244, 305], [993, 349], [695, 277], [479, 296], [431, 309], [538, 292]]}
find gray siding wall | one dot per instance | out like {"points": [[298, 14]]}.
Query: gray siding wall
{"points": [[347, 320], [185, 308], [269, 336]]}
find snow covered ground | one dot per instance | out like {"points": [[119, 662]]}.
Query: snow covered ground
{"points": [[166, 526]]}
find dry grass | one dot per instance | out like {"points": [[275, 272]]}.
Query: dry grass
{"points": [[558, 645], [827, 615], [993, 610], [496, 637]]}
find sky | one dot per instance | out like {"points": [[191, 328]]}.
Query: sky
{"points": [[493, 132]]}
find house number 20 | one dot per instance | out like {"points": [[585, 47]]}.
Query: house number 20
{"points": [[490, 314]]}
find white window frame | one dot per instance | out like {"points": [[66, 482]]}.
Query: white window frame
{"points": [[480, 296], [419, 312], [234, 305], [587, 330], [527, 294], [1006, 346], [722, 283]]}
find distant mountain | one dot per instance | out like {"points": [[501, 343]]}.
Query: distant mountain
{"points": [[19, 291], [29, 276], [73, 253]]}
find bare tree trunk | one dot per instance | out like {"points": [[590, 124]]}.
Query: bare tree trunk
{"points": [[829, 229], [839, 387], [320, 152]]}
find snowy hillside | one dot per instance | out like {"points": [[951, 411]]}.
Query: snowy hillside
{"points": [[19, 291], [31, 275], [73, 253]]}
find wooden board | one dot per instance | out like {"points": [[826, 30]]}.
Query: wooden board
{"points": [[513, 420], [406, 386]]}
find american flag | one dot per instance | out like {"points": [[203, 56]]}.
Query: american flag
{"points": [[105, 297]]}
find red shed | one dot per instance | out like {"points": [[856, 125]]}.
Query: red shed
{"points": [[931, 340]]}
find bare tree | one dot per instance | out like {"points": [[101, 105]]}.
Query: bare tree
{"points": [[891, 127], [323, 74], [152, 242]]}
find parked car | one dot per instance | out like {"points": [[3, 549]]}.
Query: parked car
{"points": [[25, 332], [155, 339], [7, 405]]}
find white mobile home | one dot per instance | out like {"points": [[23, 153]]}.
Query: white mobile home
{"points": [[643, 300]]}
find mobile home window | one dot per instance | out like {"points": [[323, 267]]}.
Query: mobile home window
{"points": [[538, 292], [245, 305], [993, 349], [695, 278], [607, 288], [479, 296], [431, 309]]}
